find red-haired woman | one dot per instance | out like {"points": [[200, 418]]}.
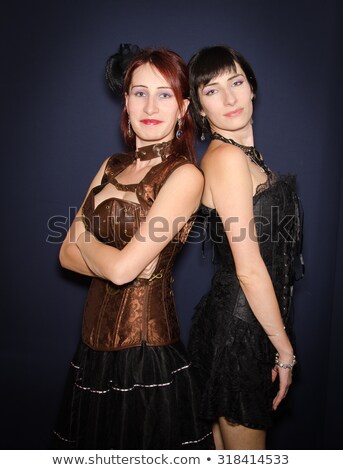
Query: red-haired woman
{"points": [[130, 385]]}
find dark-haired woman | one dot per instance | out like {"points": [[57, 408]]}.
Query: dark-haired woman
{"points": [[130, 385], [239, 341]]}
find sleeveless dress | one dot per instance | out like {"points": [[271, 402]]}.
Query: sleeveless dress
{"points": [[230, 351], [130, 383]]}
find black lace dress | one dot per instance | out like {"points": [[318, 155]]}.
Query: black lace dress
{"points": [[230, 351]]}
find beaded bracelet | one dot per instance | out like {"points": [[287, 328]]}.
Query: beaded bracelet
{"points": [[285, 366]]}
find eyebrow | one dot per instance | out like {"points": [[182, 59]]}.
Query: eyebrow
{"points": [[159, 87], [230, 78]]}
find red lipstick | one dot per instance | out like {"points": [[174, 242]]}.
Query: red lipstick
{"points": [[150, 122]]}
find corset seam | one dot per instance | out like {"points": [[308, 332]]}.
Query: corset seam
{"points": [[101, 315]]}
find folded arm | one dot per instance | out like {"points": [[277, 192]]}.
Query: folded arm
{"points": [[177, 200], [70, 256]]}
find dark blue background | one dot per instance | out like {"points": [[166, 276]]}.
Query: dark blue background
{"points": [[58, 124]]}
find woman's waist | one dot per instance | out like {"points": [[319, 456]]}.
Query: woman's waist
{"points": [[117, 317], [157, 287]]}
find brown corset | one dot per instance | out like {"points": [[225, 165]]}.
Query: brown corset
{"points": [[118, 317]]}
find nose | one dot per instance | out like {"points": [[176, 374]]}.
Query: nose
{"points": [[150, 106], [229, 97]]}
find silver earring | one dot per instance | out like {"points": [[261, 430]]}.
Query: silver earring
{"points": [[129, 130], [202, 137], [179, 131]]}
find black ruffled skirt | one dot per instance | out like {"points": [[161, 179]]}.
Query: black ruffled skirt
{"points": [[232, 359], [137, 398]]}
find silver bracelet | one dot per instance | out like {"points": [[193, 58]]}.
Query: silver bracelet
{"points": [[282, 365]]}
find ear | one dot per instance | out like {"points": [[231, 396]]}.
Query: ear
{"points": [[184, 107], [202, 113]]}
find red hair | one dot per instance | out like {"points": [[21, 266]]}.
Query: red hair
{"points": [[174, 70]]}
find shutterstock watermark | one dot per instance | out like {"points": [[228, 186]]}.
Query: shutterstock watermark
{"points": [[58, 226], [122, 226]]}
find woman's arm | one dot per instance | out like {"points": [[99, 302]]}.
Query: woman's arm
{"points": [[70, 256], [177, 200], [227, 173]]}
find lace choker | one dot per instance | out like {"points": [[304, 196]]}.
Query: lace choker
{"points": [[251, 152], [162, 150]]}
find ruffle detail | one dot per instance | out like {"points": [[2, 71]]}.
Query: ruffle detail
{"points": [[137, 398], [233, 367]]}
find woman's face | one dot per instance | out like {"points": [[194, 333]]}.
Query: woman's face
{"points": [[152, 106], [227, 102]]}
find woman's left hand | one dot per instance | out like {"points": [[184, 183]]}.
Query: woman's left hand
{"points": [[148, 271], [285, 381]]}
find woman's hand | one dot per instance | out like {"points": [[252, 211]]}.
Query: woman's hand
{"points": [[283, 368], [285, 380], [148, 271]]}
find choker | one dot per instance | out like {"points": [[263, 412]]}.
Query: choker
{"points": [[250, 152], [162, 150]]}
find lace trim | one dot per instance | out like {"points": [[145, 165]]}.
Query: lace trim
{"points": [[62, 438], [182, 443], [271, 180], [119, 389], [198, 440]]}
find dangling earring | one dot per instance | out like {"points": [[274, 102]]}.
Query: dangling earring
{"points": [[202, 138], [129, 130], [179, 131]]}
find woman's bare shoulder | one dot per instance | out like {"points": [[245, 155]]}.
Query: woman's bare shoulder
{"points": [[222, 156]]}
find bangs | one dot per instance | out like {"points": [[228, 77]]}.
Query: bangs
{"points": [[213, 63], [207, 77], [170, 72]]}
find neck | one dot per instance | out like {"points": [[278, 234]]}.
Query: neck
{"points": [[243, 136], [140, 164]]}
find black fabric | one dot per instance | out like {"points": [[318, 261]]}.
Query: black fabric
{"points": [[230, 351], [137, 398]]}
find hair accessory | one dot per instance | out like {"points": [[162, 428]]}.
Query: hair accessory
{"points": [[129, 130], [202, 137], [282, 365], [179, 131], [117, 64]]}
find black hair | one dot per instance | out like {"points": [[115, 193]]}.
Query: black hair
{"points": [[208, 63]]}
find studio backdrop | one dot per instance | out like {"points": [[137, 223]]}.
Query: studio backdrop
{"points": [[59, 123]]}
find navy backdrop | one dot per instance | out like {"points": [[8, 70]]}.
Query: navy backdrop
{"points": [[59, 123]]}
